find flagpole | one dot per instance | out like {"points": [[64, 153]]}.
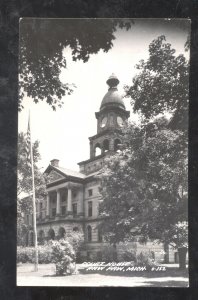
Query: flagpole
{"points": [[33, 202]]}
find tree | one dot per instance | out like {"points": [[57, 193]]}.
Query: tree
{"points": [[145, 185], [42, 42], [162, 84], [24, 185]]}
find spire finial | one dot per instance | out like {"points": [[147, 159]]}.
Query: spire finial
{"points": [[112, 81]]}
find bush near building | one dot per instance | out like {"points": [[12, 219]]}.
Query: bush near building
{"points": [[27, 254]]}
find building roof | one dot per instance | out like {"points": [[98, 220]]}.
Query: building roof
{"points": [[69, 172], [65, 172]]}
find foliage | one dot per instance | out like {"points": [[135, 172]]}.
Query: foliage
{"points": [[145, 259], [108, 253], [129, 255], [76, 239], [63, 255], [162, 84], [42, 42], [144, 187], [27, 254], [24, 185]]}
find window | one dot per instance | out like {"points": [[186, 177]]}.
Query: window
{"points": [[41, 205], [53, 212], [53, 198], [74, 206], [90, 192], [51, 234], [61, 232], [90, 209], [28, 221], [106, 145], [98, 150], [63, 197], [117, 144], [41, 237], [31, 243], [89, 233], [63, 210], [75, 229], [99, 236], [74, 194], [99, 256]]}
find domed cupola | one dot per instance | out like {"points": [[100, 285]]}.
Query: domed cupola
{"points": [[112, 114], [112, 98]]}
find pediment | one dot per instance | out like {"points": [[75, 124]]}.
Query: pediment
{"points": [[53, 176]]}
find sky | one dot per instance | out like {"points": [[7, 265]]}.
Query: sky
{"points": [[63, 134]]}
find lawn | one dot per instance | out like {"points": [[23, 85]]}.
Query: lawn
{"points": [[45, 276]]}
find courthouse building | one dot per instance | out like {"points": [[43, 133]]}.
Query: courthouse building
{"points": [[72, 202]]}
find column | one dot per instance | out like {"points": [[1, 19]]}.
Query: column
{"points": [[91, 149], [48, 206], [69, 200], [58, 203], [81, 202]]}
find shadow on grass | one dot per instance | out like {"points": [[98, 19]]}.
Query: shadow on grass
{"points": [[63, 275]]}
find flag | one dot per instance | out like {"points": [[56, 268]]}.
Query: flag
{"points": [[28, 145], [31, 166]]}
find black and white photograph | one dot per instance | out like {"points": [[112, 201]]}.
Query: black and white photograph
{"points": [[102, 176]]}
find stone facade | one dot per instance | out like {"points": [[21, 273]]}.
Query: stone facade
{"points": [[73, 198]]}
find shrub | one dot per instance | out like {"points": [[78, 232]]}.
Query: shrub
{"points": [[129, 255], [63, 255], [109, 254], [27, 254], [145, 259], [76, 239], [45, 254]]}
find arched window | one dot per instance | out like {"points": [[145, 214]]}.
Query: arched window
{"points": [[89, 233], [98, 150], [99, 236], [117, 144], [106, 145], [26, 239], [41, 237], [31, 240], [61, 232], [75, 229], [51, 234]]}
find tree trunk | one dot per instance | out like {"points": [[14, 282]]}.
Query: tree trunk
{"points": [[166, 255], [182, 257], [114, 252]]}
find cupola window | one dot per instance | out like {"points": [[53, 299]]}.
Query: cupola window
{"points": [[106, 145], [97, 150]]}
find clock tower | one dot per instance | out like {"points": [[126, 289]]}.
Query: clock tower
{"points": [[110, 119]]}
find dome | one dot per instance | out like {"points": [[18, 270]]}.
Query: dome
{"points": [[112, 97]]}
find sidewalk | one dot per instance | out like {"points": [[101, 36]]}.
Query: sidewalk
{"points": [[46, 277]]}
